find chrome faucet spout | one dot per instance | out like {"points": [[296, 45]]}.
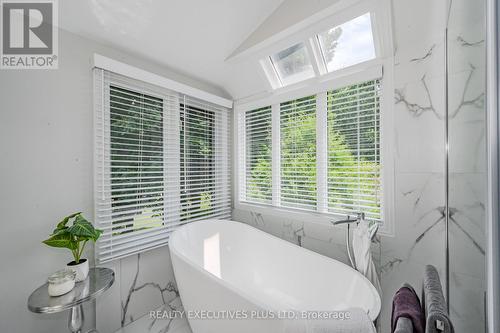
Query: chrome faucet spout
{"points": [[347, 220], [350, 219]]}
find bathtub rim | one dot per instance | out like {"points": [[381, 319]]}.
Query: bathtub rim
{"points": [[248, 296]]}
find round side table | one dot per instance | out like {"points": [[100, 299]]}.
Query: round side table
{"points": [[98, 281]]}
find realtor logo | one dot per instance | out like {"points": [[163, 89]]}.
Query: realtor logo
{"points": [[29, 34]]}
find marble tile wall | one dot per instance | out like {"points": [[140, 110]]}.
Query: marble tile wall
{"points": [[419, 112], [144, 282], [467, 124]]}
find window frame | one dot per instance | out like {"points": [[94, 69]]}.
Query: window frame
{"points": [[282, 79], [349, 76], [317, 39], [309, 35]]}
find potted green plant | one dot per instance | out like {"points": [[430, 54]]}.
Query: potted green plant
{"points": [[73, 233]]}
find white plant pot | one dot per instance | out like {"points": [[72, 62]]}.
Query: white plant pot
{"points": [[81, 269]]}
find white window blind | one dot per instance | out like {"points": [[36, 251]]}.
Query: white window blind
{"points": [[325, 149], [354, 149], [205, 172], [298, 153], [138, 148], [258, 168]]}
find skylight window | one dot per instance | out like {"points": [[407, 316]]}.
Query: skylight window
{"points": [[293, 64], [353, 43], [348, 44]]}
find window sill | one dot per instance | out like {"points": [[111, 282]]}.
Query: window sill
{"points": [[300, 215]]}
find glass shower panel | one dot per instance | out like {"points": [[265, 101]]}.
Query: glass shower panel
{"points": [[466, 163]]}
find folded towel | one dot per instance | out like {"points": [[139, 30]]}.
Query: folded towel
{"points": [[406, 304], [404, 325], [436, 314]]}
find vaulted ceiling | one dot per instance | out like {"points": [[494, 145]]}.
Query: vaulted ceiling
{"points": [[193, 37]]}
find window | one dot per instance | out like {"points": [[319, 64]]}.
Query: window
{"points": [[201, 165], [354, 149], [325, 148], [258, 186], [136, 161], [317, 52], [348, 44], [293, 64], [298, 153], [325, 144], [161, 160]]}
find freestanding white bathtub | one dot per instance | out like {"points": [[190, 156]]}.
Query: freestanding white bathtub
{"points": [[226, 268]]}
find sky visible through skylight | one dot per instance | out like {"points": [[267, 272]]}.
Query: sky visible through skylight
{"points": [[293, 64], [348, 44]]}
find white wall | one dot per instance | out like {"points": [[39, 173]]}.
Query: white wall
{"points": [[46, 138]]}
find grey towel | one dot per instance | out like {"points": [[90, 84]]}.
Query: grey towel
{"points": [[436, 315], [404, 325]]}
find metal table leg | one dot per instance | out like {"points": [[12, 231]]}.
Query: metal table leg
{"points": [[76, 319]]}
